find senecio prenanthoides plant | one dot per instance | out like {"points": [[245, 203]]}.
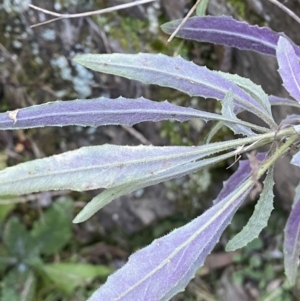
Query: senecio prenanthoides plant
{"points": [[164, 268]]}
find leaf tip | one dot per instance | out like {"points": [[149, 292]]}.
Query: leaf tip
{"points": [[79, 59], [79, 218]]}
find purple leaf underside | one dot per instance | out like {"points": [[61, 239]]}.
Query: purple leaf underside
{"points": [[164, 268], [99, 112], [289, 68], [280, 101], [291, 244], [290, 120], [175, 73], [225, 30]]}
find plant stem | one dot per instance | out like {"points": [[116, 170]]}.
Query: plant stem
{"points": [[261, 139], [248, 183], [276, 155], [86, 14], [267, 164], [183, 21]]}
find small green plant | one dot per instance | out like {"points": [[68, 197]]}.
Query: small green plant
{"points": [[24, 254], [165, 267]]}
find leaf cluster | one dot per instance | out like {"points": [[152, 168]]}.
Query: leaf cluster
{"points": [[24, 256], [165, 267]]}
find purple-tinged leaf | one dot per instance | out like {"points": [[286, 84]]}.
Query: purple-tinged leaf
{"points": [[228, 112], [94, 167], [164, 268], [280, 101], [101, 111], [112, 193], [289, 120], [173, 72], [291, 245], [254, 90], [289, 68], [259, 219], [101, 166], [227, 31], [296, 159], [239, 176]]}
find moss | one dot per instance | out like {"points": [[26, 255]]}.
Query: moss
{"points": [[129, 33], [240, 7], [158, 45], [242, 10]]}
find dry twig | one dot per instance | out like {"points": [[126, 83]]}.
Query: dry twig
{"points": [[136, 134], [86, 14], [183, 21], [254, 164], [285, 9]]}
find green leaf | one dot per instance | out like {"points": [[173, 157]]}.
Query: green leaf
{"points": [[254, 90], [110, 194], [104, 166], [53, 231], [213, 131], [228, 112], [201, 8], [67, 276], [18, 240], [5, 209], [19, 285], [260, 217], [5, 259]]}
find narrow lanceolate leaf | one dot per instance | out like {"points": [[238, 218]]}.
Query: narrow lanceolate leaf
{"points": [[112, 193], [173, 72], [259, 218], [289, 120], [213, 131], [202, 7], [228, 112], [241, 174], [291, 244], [93, 167], [227, 31], [254, 90], [100, 166], [173, 259], [280, 101], [296, 159], [289, 68], [98, 112]]}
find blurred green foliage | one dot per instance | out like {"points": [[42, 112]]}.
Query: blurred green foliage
{"points": [[24, 256]]}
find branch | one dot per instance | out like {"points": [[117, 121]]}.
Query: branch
{"points": [[86, 14], [183, 21], [286, 10]]}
